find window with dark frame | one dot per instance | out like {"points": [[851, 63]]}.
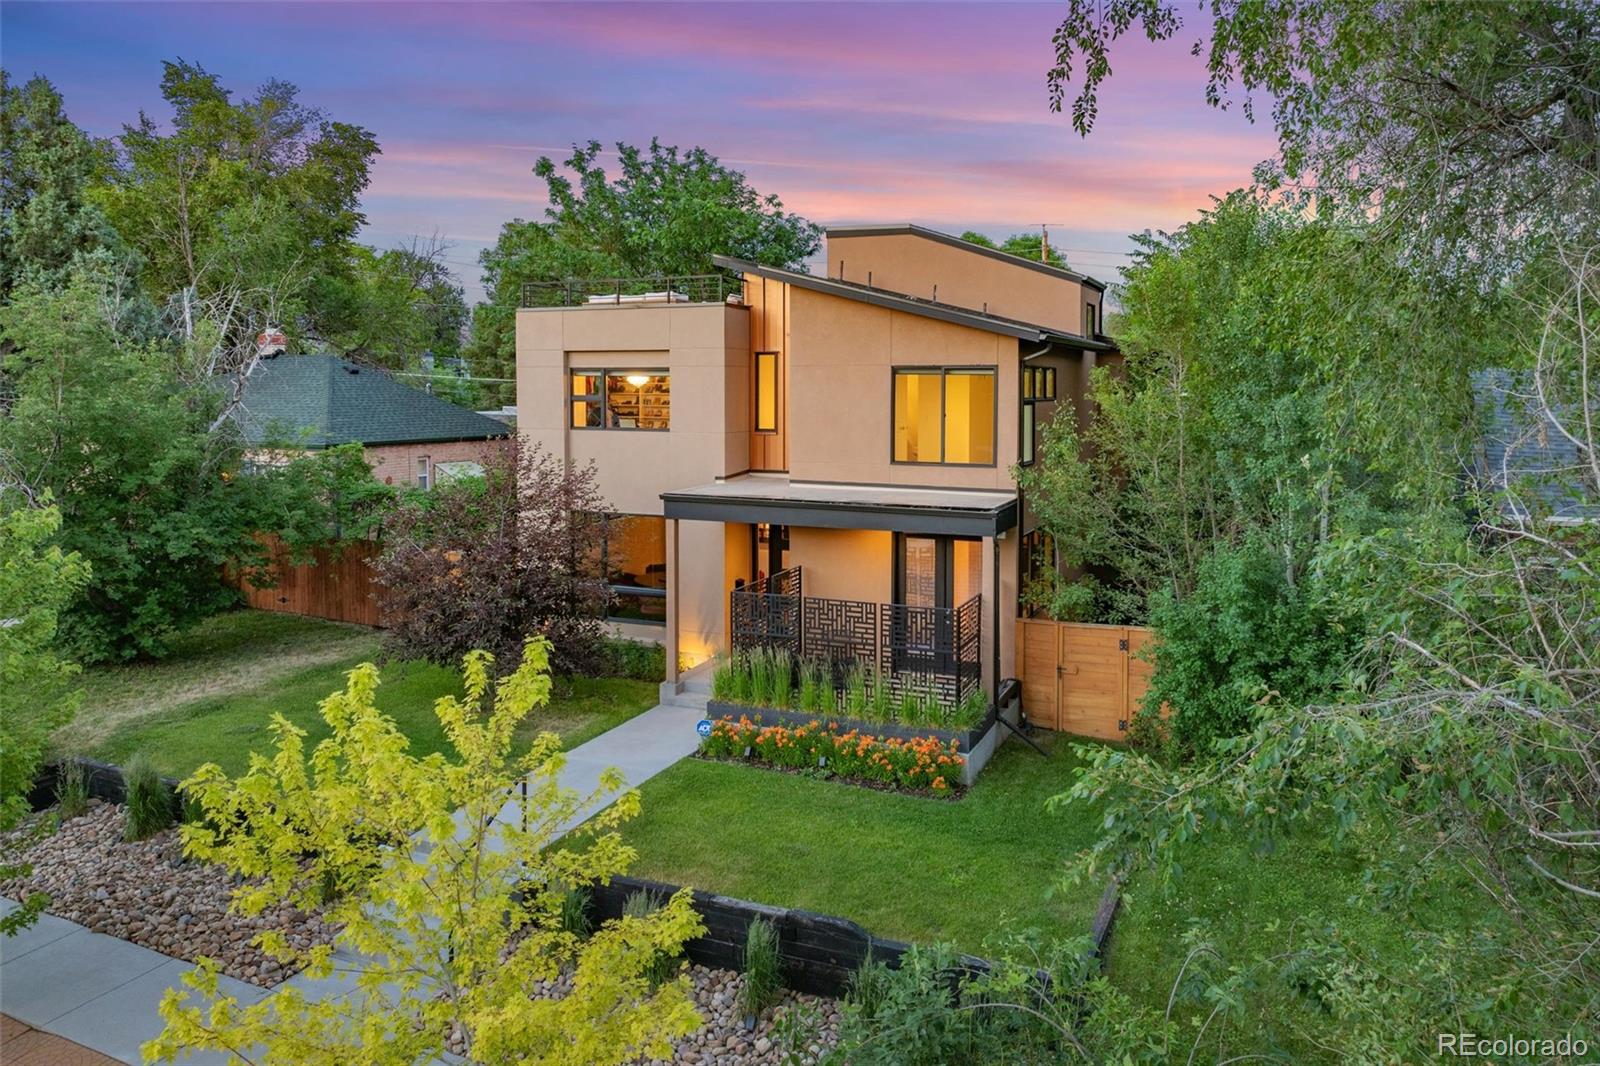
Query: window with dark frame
{"points": [[1089, 320], [633, 563], [621, 399], [766, 392], [944, 416], [1030, 434]]}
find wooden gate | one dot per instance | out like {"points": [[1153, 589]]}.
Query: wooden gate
{"points": [[1081, 678]]}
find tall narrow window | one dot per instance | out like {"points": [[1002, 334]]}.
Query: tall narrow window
{"points": [[585, 400], [766, 392], [422, 472], [944, 416], [1029, 433], [1089, 323], [969, 416], [917, 402]]}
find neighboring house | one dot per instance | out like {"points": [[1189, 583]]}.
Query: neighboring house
{"points": [[304, 402], [1526, 457], [820, 462]]}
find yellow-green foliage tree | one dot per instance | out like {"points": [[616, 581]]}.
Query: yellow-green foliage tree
{"points": [[440, 872]]}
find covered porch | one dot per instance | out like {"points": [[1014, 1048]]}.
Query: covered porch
{"points": [[910, 584]]}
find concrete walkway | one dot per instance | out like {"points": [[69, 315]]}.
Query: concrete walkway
{"points": [[102, 993]]}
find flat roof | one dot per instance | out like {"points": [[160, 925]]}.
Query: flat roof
{"points": [[910, 229], [963, 316], [831, 505]]}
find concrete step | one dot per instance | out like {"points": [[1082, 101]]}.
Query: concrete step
{"points": [[697, 700]]}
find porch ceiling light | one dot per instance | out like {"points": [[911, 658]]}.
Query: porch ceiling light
{"points": [[638, 381]]}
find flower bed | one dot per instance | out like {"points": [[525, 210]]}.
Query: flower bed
{"points": [[923, 764]]}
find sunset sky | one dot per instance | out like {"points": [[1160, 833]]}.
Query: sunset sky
{"points": [[929, 113]]}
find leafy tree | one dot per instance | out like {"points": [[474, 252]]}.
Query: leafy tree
{"points": [[37, 579], [393, 305], [665, 213], [47, 165], [325, 498], [1027, 245], [1283, 379], [149, 495], [489, 562], [1472, 127], [245, 209], [445, 886]]}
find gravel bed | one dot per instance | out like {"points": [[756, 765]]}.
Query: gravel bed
{"points": [[724, 1041], [147, 892]]}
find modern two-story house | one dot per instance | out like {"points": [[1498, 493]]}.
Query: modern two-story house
{"points": [[821, 462]]}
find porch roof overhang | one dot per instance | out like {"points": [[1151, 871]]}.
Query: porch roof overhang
{"points": [[954, 512]]}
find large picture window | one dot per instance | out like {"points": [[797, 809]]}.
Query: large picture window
{"points": [[634, 561], [621, 399], [945, 415]]}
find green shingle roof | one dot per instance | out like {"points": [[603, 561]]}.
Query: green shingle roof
{"points": [[316, 401]]}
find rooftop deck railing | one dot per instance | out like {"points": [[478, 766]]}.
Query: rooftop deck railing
{"points": [[626, 292]]}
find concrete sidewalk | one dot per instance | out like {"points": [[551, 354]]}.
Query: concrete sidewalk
{"points": [[102, 993]]}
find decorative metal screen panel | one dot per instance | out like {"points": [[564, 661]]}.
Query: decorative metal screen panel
{"points": [[839, 633], [928, 650], [766, 613]]}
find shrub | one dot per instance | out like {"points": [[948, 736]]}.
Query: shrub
{"points": [[147, 801], [72, 789], [1244, 631], [761, 978], [663, 966], [921, 763], [487, 564], [636, 659]]}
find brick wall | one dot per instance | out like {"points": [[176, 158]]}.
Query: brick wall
{"points": [[396, 464]]}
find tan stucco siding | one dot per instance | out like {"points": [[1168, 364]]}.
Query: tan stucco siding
{"points": [[845, 564], [841, 359], [906, 263], [704, 347]]}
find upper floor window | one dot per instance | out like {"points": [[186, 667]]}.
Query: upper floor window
{"points": [[621, 399], [1089, 324], [944, 415], [766, 392], [1038, 383]]}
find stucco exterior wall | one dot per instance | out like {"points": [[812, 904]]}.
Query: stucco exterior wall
{"points": [[705, 348], [841, 390], [914, 265]]}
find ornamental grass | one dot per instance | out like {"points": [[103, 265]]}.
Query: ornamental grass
{"points": [[918, 763]]}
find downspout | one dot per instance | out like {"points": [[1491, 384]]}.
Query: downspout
{"points": [[994, 694], [994, 642]]}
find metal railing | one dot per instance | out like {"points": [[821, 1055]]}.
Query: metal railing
{"points": [[626, 292], [924, 648]]}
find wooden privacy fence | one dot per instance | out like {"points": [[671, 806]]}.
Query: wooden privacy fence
{"points": [[1081, 678], [338, 586]]}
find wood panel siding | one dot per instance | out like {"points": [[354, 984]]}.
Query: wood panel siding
{"points": [[768, 301]]}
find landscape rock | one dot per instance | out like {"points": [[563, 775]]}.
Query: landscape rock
{"points": [[143, 891]]}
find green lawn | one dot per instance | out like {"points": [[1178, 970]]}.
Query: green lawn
{"points": [[902, 866], [210, 701]]}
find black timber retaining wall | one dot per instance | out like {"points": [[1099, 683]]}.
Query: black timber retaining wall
{"points": [[104, 781], [818, 953]]}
